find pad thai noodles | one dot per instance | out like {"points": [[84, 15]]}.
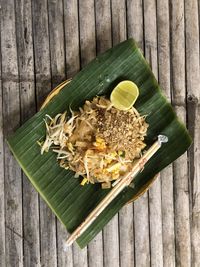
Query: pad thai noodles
{"points": [[98, 142]]}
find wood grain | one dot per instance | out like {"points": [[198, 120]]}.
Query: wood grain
{"points": [[111, 231], [31, 247], [141, 220], [87, 31], [103, 25], [46, 41], [86, 13], [88, 51], [41, 50], [181, 198], [48, 251], [163, 37], [181, 189], [11, 121], [125, 220], [71, 27], [2, 187], [103, 42], [118, 9], [57, 61], [56, 40], [135, 21], [155, 214], [65, 257], [193, 117], [126, 236], [126, 215], [72, 66]]}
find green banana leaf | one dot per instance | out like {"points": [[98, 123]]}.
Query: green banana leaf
{"points": [[68, 200]]}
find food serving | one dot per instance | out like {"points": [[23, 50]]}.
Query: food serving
{"points": [[102, 140], [63, 193]]}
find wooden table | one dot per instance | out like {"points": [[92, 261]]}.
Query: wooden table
{"points": [[44, 42]]}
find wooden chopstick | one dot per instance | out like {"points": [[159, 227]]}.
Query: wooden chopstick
{"points": [[124, 181]]}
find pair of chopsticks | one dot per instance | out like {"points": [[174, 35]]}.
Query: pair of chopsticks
{"points": [[123, 182]]}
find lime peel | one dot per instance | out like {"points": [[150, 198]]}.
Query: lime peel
{"points": [[124, 95]]}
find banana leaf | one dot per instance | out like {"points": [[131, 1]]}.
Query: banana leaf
{"points": [[62, 192]]}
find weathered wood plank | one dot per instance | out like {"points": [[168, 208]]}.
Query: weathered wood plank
{"points": [[156, 224], [163, 47], [168, 217], [57, 51], [11, 120], [181, 199], [95, 251], [181, 193], [13, 188], [155, 214], [103, 25], [193, 117], [141, 230], [65, 256], [111, 243], [86, 14], [87, 31], [167, 174], [150, 35], [111, 231], [2, 189], [141, 221], [118, 21], [177, 52], [126, 238], [71, 37], [41, 50], [43, 86], [135, 20], [79, 256], [103, 42], [117, 238], [71, 27], [56, 34], [27, 100], [88, 52]]}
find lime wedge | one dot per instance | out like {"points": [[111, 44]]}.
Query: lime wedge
{"points": [[124, 95]]}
